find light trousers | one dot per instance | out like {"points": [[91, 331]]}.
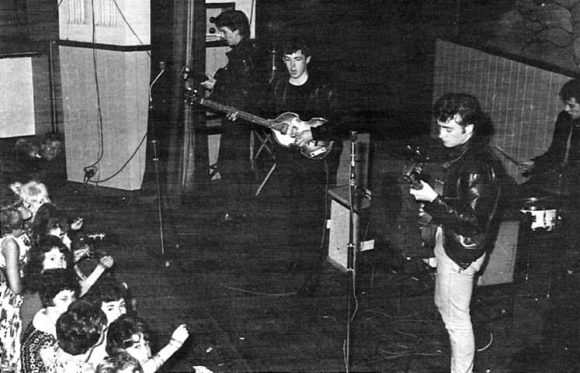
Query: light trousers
{"points": [[453, 291]]}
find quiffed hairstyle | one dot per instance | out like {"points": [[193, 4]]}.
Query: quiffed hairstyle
{"points": [[571, 89], [463, 104], [80, 327], [54, 281], [121, 332], [234, 20]]}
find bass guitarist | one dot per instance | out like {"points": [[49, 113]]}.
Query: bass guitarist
{"points": [[304, 182]]}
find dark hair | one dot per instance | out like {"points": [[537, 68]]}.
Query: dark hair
{"points": [[107, 289], [120, 361], [36, 255], [56, 223], [80, 327], [52, 137], [451, 104], [234, 20], [56, 280], [10, 219], [121, 331], [294, 45], [571, 89]]}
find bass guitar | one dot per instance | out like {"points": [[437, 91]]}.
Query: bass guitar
{"points": [[285, 127]]}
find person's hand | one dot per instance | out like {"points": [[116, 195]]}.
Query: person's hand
{"points": [[526, 167], [180, 335], [425, 193], [208, 84], [84, 252], [107, 261], [76, 224], [303, 137]]}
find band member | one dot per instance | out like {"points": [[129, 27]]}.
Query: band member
{"points": [[304, 182], [236, 85], [563, 156], [464, 213]]}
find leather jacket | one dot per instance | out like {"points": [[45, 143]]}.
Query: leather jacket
{"points": [[469, 202]]}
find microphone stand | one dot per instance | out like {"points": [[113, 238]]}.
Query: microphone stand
{"points": [[351, 246], [156, 163]]}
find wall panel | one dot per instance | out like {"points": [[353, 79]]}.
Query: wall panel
{"points": [[522, 100]]}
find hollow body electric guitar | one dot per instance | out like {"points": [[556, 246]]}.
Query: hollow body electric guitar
{"points": [[285, 127]]}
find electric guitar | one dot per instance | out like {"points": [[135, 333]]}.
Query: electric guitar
{"points": [[285, 127]]}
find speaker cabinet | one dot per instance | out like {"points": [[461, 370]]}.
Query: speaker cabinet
{"points": [[339, 235], [501, 261]]}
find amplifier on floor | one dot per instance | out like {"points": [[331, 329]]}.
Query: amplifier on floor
{"points": [[339, 222]]}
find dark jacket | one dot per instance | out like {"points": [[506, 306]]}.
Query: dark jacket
{"points": [[554, 156], [238, 84], [469, 202], [323, 102]]}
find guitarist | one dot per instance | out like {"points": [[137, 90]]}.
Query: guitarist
{"points": [[237, 84], [304, 182], [464, 212]]}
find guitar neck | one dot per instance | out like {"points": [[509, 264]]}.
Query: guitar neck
{"points": [[241, 114]]}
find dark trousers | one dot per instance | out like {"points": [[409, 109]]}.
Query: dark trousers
{"points": [[234, 166]]}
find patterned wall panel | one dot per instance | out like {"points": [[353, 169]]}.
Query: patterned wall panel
{"points": [[522, 100]]}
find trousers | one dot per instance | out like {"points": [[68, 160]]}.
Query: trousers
{"points": [[453, 291]]}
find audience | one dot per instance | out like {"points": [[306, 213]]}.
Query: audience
{"points": [[41, 281], [58, 290]]}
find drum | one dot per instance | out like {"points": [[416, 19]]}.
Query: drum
{"points": [[542, 213]]}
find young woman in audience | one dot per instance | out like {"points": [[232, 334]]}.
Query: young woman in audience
{"points": [[129, 333], [58, 290], [111, 295], [13, 250], [35, 197], [78, 330]]}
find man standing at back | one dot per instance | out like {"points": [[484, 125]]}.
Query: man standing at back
{"points": [[463, 213], [237, 85]]}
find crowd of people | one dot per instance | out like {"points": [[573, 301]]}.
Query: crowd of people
{"points": [[57, 316]]}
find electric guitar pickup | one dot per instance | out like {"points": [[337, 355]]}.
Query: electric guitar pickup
{"points": [[285, 127]]}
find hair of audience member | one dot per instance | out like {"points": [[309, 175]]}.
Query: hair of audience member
{"points": [[107, 289], [54, 281], [10, 219], [121, 332], [36, 256], [34, 191], [52, 137], [80, 327], [119, 362], [56, 223], [234, 20]]}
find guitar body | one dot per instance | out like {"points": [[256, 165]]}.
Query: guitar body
{"points": [[285, 127], [289, 125]]}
